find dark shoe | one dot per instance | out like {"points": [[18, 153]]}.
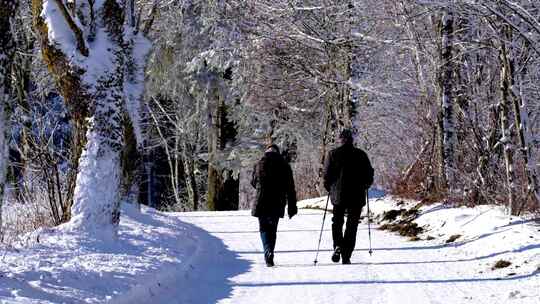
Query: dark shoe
{"points": [[336, 255], [345, 257], [269, 259]]}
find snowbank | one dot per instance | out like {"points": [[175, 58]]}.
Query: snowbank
{"points": [[63, 267], [485, 232]]}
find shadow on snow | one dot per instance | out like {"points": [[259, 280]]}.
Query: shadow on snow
{"points": [[373, 282], [163, 282], [212, 268]]}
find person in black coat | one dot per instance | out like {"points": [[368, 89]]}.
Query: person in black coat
{"points": [[273, 179], [347, 176]]}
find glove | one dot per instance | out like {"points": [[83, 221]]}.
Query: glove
{"points": [[293, 210]]}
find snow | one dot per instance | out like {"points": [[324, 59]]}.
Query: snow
{"points": [[58, 29], [101, 59], [216, 257], [96, 188], [65, 267]]}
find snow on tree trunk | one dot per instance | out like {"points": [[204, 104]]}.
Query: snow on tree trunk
{"points": [[97, 195], [508, 148], [527, 147], [446, 99], [521, 116], [97, 57], [7, 12]]}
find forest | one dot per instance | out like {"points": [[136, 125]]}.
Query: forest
{"points": [[169, 103]]}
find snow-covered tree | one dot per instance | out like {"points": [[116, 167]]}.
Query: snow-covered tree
{"points": [[96, 52]]}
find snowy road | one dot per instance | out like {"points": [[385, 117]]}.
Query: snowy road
{"points": [[215, 257], [398, 272]]}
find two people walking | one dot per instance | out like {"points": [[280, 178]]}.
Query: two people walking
{"points": [[347, 175]]}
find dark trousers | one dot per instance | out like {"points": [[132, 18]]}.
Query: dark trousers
{"points": [[345, 241], [268, 228]]}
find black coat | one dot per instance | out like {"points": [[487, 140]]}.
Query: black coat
{"points": [[273, 179], [347, 175]]}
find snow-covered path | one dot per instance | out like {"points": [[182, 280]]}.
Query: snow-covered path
{"points": [[398, 272], [215, 257]]}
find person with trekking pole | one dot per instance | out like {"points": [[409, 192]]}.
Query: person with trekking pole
{"points": [[273, 179], [348, 174]]}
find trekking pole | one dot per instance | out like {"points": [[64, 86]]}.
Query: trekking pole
{"points": [[368, 221], [322, 227]]}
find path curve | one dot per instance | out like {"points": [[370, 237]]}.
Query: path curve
{"points": [[398, 272]]}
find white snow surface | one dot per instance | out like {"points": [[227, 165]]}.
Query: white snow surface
{"points": [[65, 267], [216, 257]]}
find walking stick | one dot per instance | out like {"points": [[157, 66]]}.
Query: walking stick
{"points": [[368, 221], [320, 235]]}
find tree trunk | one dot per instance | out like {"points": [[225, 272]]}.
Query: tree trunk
{"points": [[131, 165], [521, 110], [22, 73], [7, 13], [191, 181], [223, 186], [521, 118], [326, 133], [446, 83], [78, 141], [485, 154], [506, 140]]}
